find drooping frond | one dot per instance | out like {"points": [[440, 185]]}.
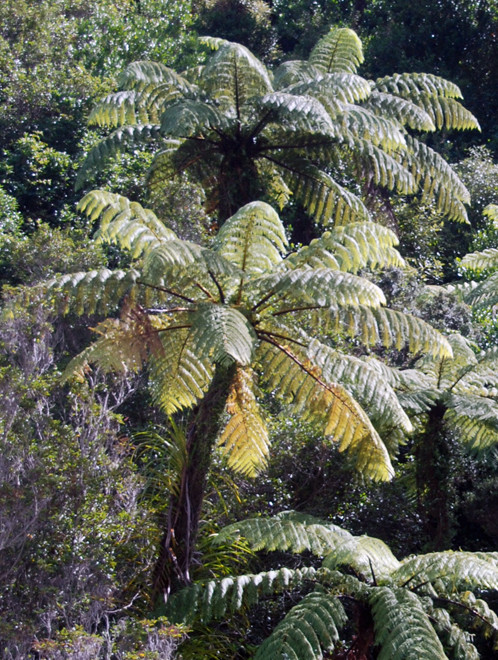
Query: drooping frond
{"points": [[475, 419], [365, 383], [122, 139], [295, 380], [338, 51], [301, 114], [222, 334], [475, 615], [448, 113], [253, 239], [491, 211], [455, 640], [449, 370], [206, 601], [288, 531], [116, 109], [390, 328], [369, 558], [245, 440], [142, 74], [481, 260], [189, 118], [378, 130], [178, 376], [402, 628], [484, 294], [308, 628], [411, 85], [383, 168], [350, 248], [295, 72], [333, 89], [401, 110], [449, 572], [124, 223]]}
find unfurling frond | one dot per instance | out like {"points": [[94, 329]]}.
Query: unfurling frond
{"points": [[124, 223], [402, 628], [391, 329], [338, 51], [253, 239], [330, 406], [308, 628], [245, 439]]}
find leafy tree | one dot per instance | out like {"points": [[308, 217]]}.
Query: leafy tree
{"points": [[425, 606], [313, 128], [209, 322]]}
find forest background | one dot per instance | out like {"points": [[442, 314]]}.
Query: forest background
{"points": [[87, 466]]}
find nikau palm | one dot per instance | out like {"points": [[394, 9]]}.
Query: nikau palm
{"points": [[424, 607], [314, 129], [212, 323]]}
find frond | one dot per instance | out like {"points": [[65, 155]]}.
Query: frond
{"points": [[233, 76], [380, 131], [351, 248], [178, 376], [213, 600], [456, 640], [222, 334], [332, 89], [300, 113], [338, 51], [245, 439], [124, 223], [288, 531], [449, 572], [295, 72], [491, 211], [321, 196], [475, 419], [370, 558], [448, 113], [383, 168], [253, 239], [188, 118], [401, 110], [364, 382], [116, 109], [391, 329], [144, 74], [411, 85], [402, 628], [309, 627], [122, 139], [484, 294], [475, 615], [449, 370], [481, 260], [299, 382], [198, 156]]}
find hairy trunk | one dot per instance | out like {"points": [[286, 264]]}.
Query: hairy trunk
{"points": [[176, 551]]}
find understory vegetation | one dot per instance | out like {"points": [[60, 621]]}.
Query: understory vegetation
{"points": [[248, 335]]}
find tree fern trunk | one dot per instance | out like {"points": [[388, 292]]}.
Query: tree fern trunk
{"points": [[172, 570]]}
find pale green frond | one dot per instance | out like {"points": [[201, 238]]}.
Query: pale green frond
{"points": [[294, 72], [253, 239], [176, 156], [206, 601], [233, 76], [178, 376], [369, 558], [449, 571], [322, 197], [299, 383], [383, 168], [338, 51], [483, 294], [491, 211], [190, 118], [475, 615], [142, 74], [481, 260], [124, 223], [390, 328], [288, 531], [454, 639], [401, 110], [411, 85], [365, 383], [475, 419], [213, 42], [122, 139], [308, 628], [222, 334], [244, 440], [333, 89], [351, 248], [380, 131], [116, 109], [300, 113], [448, 113], [448, 371], [402, 628]]}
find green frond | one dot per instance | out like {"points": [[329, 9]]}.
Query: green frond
{"points": [[476, 616], [142, 74], [475, 419], [213, 42], [178, 376], [321, 196], [484, 294], [391, 329], [402, 628], [124, 223], [122, 139], [351, 248], [288, 531], [188, 118], [365, 383], [448, 113], [456, 640], [369, 558], [253, 239], [245, 439], [309, 627], [302, 114], [222, 334], [380, 131], [383, 168], [332, 89], [116, 109], [294, 72], [481, 260], [491, 211], [206, 601], [233, 76], [338, 51], [198, 156], [449, 572], [330, 406], [412, 85], [401, 110], [450, 369]]}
